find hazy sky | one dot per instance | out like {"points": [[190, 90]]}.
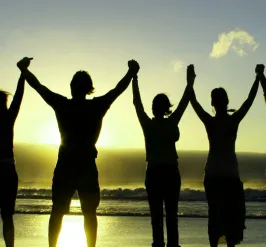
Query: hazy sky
{"points": [[223, 39]]}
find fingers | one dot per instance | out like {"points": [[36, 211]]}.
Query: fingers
{"points": [[259, 68]]}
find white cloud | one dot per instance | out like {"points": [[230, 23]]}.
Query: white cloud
{"points": [[236, 40], [178, 65]]}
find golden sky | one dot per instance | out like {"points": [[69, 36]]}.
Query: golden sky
{"points": [[100, 37]]}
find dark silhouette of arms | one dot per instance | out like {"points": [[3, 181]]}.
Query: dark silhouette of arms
{"points": [[49, 96], [240, 114], [17, 99], [203, 115], [179, 111], [142, 116], [124, 82]]}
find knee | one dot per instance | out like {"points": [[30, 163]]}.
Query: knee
{"points": [[56, 214], [90, 214], [7, 219], [88, 210]]}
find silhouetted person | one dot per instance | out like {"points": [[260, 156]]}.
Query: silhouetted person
{"points": [[162, 174], [79, 121], [224, 189], [8, 174]]}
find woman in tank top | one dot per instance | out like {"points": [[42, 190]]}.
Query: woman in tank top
{"points": [[224, 189], [162, 174]]}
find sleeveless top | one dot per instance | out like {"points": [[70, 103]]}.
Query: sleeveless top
{"points": [[222, 133]]}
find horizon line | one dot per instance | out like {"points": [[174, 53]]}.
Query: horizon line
{"points": [[127, 147]]}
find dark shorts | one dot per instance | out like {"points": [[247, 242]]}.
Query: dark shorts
{"points": [[67, 181], [8, 189]]}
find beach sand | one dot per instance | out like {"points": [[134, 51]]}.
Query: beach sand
{"points": [[121, 231]]}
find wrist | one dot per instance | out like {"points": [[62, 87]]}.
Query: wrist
{"points": [[131, 73]]}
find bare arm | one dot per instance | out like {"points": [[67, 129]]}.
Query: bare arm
{"points": [[17, 99], [142, 116], [45, 93], [120, 87], [203, 115], [240, 114], [49, 96], [124, 82], [263, 84], [178, 113]]}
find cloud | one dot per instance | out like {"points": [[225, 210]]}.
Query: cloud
{"points": [[178, 65], [236, 40]]}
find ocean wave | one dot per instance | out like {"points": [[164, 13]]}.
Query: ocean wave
{"points": [[186, 194]]}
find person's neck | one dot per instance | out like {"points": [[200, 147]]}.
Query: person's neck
{"points": [[159, 118], [79, 98], [221, 113]]}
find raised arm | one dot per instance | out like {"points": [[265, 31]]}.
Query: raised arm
{"points": [[262, 78], [32, 80], [263, 84], [17, 99], [133, 68], [203, 115], [142, 116], [179, 111], [240, 114]]}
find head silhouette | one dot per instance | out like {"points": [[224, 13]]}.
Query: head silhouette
{"points": [[219, 99], [3, 100], [161, 106], [81, 85]]}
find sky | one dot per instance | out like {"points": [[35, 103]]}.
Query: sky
{"points": [[223, 39]]}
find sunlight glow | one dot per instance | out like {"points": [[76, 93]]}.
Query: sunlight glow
{"points": [[50, 134], [72, 233], [104, 139]]}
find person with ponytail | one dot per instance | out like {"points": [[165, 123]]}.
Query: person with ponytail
{"points": [[223, 186], [162, 174]]}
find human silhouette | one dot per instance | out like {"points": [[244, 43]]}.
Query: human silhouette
{"points": [[79, 121], [224, 189], [8, 174], [162, 174]]}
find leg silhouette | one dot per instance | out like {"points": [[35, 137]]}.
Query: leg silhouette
{"points": [[171, 197], [89, 194], [155, 199], [90, 226], [55, 224], [8, 230]]}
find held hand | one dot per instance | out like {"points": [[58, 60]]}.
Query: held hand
{"points": [[190, 74], [24, 63], [135, 79], [259, 69], [133, 67]]}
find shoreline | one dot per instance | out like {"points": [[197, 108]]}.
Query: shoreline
{"points": [[134, 215]]}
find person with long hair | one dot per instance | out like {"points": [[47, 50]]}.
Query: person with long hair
{"points": [[163, 180], [80, 122], [224, 189], [8, 174]]}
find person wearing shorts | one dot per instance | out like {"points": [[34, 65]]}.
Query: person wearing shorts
{"points": [[79, 122]]}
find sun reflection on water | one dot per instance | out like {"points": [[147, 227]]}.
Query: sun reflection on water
{"points": [[72, 232]]}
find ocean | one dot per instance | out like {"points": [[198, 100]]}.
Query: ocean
{"points": [[121, 177], [123, 213]]}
